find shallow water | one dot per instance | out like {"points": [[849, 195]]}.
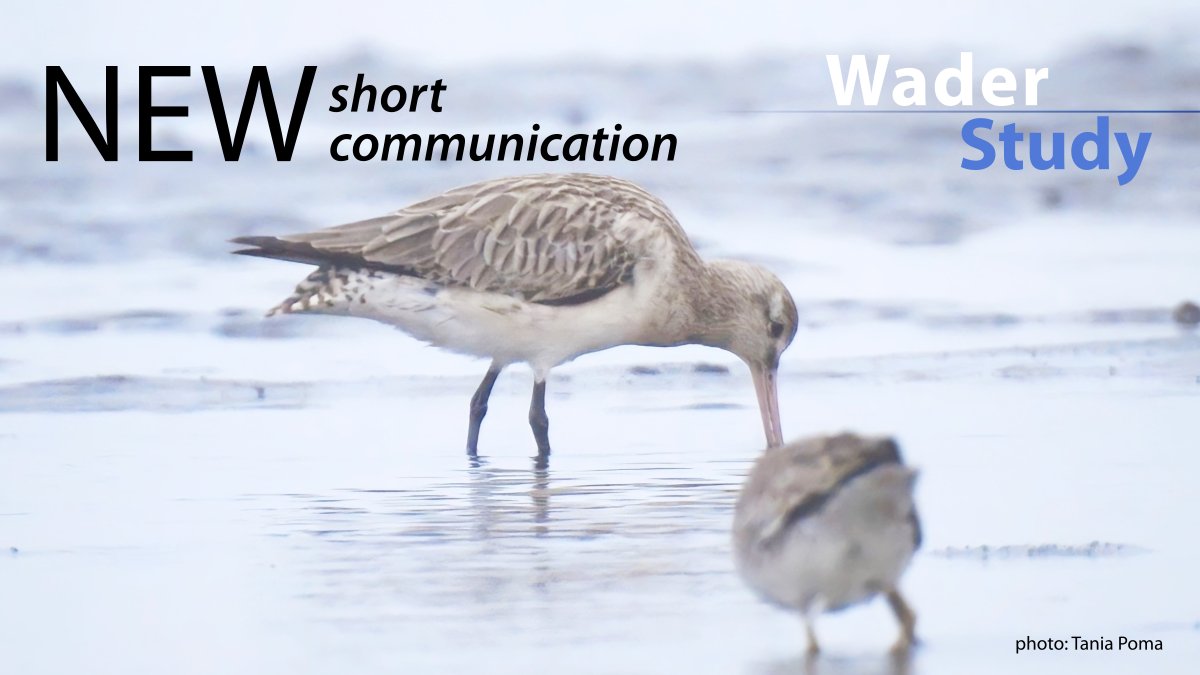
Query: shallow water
{"points": [[348, 531]]}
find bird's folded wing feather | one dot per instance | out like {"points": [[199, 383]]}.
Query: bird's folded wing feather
{"points": [[804, 478], [543, 238]]}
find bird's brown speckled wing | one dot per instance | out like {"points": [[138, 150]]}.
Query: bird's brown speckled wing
{"points": [[546, 238]]}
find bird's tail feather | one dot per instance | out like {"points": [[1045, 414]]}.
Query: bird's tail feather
{"points": [[316, 293], [280, 249]]}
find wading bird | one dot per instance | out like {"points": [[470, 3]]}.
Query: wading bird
{"points": [[541, 269], [828, 522]]}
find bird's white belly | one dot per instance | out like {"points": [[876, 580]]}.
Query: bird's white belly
{"points": [[490, 325], [848, 552]]}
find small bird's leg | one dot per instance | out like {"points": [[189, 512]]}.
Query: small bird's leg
{"points": [[907, 619], [813, 646], [479, 406], [538, 420], [812, 663]]}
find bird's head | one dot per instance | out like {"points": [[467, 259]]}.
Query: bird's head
{"points": [[752, 314]]}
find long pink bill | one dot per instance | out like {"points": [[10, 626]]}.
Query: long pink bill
{"points": [[768, 403]]}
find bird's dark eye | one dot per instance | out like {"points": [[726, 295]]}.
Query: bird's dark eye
{"points": [[776, 329]]}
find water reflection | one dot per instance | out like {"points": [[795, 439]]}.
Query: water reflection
{"points": [[494, 492], [623, 558], [496, 533], [528, 557]]}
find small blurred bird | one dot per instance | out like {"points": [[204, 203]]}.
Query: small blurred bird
{"points": [[827, 522]]}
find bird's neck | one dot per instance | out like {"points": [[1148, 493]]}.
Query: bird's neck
{"points": [[703, 309]]}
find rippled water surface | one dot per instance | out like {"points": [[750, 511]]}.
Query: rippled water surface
{"points": [[350, 532]]}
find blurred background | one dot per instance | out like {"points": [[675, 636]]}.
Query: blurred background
{"points": [[823, 198], [184, 483]]}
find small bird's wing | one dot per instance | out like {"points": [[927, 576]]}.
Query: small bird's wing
{"points": [[797, 480], [546, 238]]}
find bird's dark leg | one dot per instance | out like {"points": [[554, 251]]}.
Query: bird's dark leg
{"points": [[538, 420], [479, 405]]}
